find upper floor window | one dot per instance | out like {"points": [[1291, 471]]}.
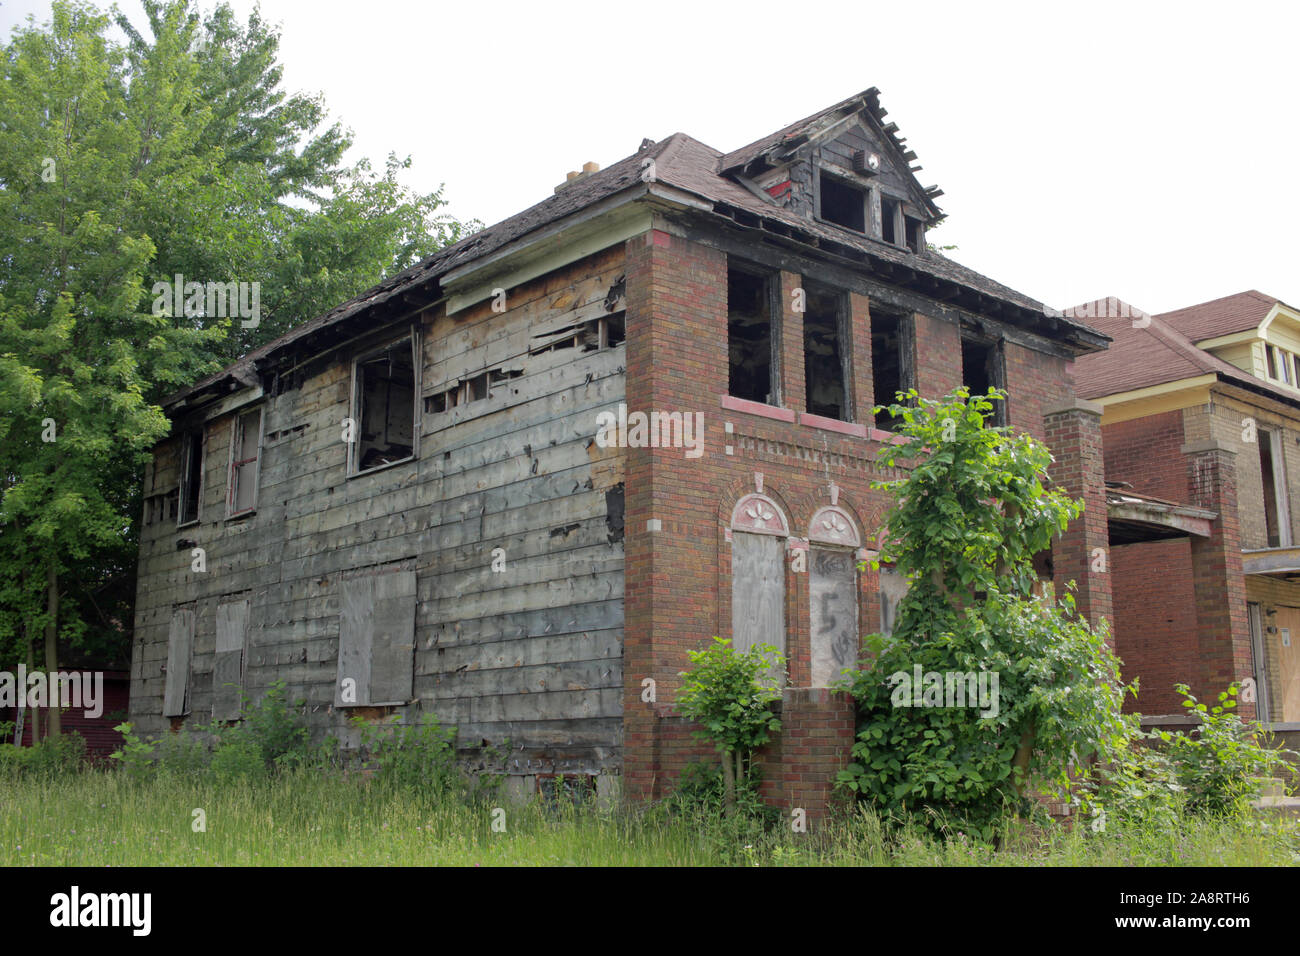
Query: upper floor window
{"points": [[245, 447], [892, 359], [751, 344], [982, 369], [191, 476], [1272, 470], [826, 352], [1283, 366], [842, 203], [383, 406]]}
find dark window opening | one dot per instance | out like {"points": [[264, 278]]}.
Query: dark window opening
{"points": [[981, 369], [191, 476], [386, 419], [749, 337], [613, 330], [888, 210], [891, 360], [1268, 472], [915, 232], [842, 204], [1272, 365], [824, 349]]}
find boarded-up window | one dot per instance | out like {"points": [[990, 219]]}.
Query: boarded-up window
{"points": [[245, 441], [180, 644], [833, 591], [893, 586], [377, 639], [228, 670], [757, 590]]}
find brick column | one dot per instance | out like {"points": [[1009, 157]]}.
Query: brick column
{"points": [[801, 763], [1082, 554], [676, 361], [1223, 630], [860, 383], [794, 390]]}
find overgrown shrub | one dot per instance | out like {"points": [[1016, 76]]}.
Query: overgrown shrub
{"points": [[61, 754], [419, 756], [730, 693]]}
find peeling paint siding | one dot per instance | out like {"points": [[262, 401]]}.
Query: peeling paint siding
{"points": [[532, 654]]}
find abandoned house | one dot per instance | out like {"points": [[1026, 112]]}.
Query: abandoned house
{"points": [[401, 506], [1201, 432]]}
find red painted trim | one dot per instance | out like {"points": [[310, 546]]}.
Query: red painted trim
{"points": [[758, 408], [833, 425]]}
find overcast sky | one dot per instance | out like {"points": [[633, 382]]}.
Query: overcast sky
{"points": [[1147, 151]]}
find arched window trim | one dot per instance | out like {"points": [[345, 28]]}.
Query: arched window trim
{"points": [[756, 513], [835, 526]]}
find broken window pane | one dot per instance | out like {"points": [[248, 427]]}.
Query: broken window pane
{"points": [[749, 337], [386, 420], [843, 204], [824, 351], [191, 476], [243, 463]]}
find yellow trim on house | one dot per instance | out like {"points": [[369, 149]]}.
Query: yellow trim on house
{"points": [[1154, 399]]}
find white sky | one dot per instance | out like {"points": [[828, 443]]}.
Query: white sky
{"points": [[1142, 150]]}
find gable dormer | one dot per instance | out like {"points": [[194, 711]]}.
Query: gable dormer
{"points": [[1258, 334], [845, 167]]}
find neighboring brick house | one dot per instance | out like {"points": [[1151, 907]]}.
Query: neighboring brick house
{"points": [[1201, 429], [475, 552]]}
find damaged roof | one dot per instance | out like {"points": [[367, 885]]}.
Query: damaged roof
{"points": [[686, 164]]}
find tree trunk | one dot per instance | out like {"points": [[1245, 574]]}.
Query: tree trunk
{"points": [[728, 784], [33, 715], [54, 725]]}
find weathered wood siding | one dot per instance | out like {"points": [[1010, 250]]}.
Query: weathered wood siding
{"points": [[532, 653]]}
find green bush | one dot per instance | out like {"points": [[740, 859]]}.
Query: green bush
{"points": [[1222, 763], [418, 756], [53, 756]]}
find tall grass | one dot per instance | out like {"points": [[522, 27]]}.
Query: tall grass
{"points": [[100, 818]]}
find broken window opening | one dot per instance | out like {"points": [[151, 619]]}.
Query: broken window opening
{"points": [[191, 476], [981, 369], [385, 400], [888, 212], [246, 440], [842, 203], [891, 360], [915, 234], [613, 330], [749, 337], [825, 347], [1277, 520]]}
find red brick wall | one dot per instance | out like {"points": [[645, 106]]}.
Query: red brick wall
{"points": [[1145, 453], [1155, 621], [678, 578]]}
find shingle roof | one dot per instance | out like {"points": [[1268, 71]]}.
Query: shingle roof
{"points": [[681, 162], [1232, 313], [1150, 351]]}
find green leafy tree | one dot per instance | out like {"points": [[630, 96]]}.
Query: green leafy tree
{"points": [[970, 514], [121, 166], [730, 694]]}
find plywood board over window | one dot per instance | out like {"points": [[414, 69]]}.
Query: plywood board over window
{"points": [[180, 645], [376, 639], [833, 591], [757, 590], [228, 669]]}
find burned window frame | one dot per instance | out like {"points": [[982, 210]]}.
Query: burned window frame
{"points": [[839, 180], [356, 410], [771, 280], [906, 320], [232, 475], [996, 374], [190, 488], [844, 345]]}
